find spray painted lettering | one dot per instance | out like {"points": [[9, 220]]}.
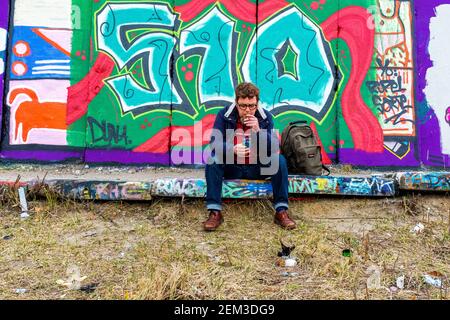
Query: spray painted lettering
{"points": [[107, 132]]}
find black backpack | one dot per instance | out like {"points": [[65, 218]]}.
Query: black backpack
{"points": [[301, 150]]}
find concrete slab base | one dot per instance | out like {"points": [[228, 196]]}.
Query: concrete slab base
{"points": [[374, 186], [149, 186]]}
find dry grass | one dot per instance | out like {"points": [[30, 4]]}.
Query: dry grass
{"points": [[158, 250]]}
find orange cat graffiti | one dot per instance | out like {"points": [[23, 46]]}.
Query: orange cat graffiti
{"points": [[35, 114]]}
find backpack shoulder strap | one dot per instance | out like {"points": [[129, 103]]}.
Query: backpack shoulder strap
{"points": [[324, 167], [291, 126]]}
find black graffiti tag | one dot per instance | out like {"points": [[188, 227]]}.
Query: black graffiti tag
{"points": [[388, 95], [107, 132], [383, 86]]}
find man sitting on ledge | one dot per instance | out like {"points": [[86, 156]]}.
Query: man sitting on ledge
{"points": [[243, 135]]}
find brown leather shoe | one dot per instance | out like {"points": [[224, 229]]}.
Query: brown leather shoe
{"points": [[282, 219], [214, 221]]}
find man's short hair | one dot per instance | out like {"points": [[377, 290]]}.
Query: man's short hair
{"points": [[247, 90]]}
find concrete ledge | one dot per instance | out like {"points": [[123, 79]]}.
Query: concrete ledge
{"points": [[120, 186], [423, 181], [102, 190], [360, 186], [374, 186]]}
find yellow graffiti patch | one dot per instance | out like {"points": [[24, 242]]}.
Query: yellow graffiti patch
{"points": [[322, 184]]}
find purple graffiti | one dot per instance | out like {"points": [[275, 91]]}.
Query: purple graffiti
{"points": [[429, 145]]}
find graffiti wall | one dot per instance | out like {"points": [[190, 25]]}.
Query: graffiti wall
{"points": [[432, 18], [108, 81], [4, 14], [39, 56]]}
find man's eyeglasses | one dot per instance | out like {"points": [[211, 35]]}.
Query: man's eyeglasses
{"points": [[249, 106]]}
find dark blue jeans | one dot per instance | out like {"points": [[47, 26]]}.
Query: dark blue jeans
{"points": [[216, 173]]}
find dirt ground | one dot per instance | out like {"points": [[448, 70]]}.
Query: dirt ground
{"points": [[158, 250]]}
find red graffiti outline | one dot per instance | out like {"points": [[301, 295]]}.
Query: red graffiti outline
{"points": [[81, 94], [351, 25], [154, 143], [325, 158], [243, 10]]}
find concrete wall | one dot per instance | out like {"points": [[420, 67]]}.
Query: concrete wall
{"points": [[141, 81]]}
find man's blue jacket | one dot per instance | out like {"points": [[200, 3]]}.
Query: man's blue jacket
{"points": [[227, 118]]}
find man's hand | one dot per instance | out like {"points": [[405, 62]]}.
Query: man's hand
{"points": [[252, 122], [241, 150]]}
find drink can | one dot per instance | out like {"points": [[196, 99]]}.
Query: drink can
{"points": [[247, 141]]}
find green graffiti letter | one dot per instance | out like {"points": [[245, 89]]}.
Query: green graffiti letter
{"points": [[212, 37], [295, 67], [132, 32]]}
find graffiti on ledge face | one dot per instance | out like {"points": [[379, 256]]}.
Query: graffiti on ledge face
{"points": [[196, 188]]}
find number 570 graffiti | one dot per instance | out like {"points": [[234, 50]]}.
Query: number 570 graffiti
{"points": [[296, 69]]}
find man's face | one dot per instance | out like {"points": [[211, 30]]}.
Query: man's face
{"points": [[250, 104]]}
